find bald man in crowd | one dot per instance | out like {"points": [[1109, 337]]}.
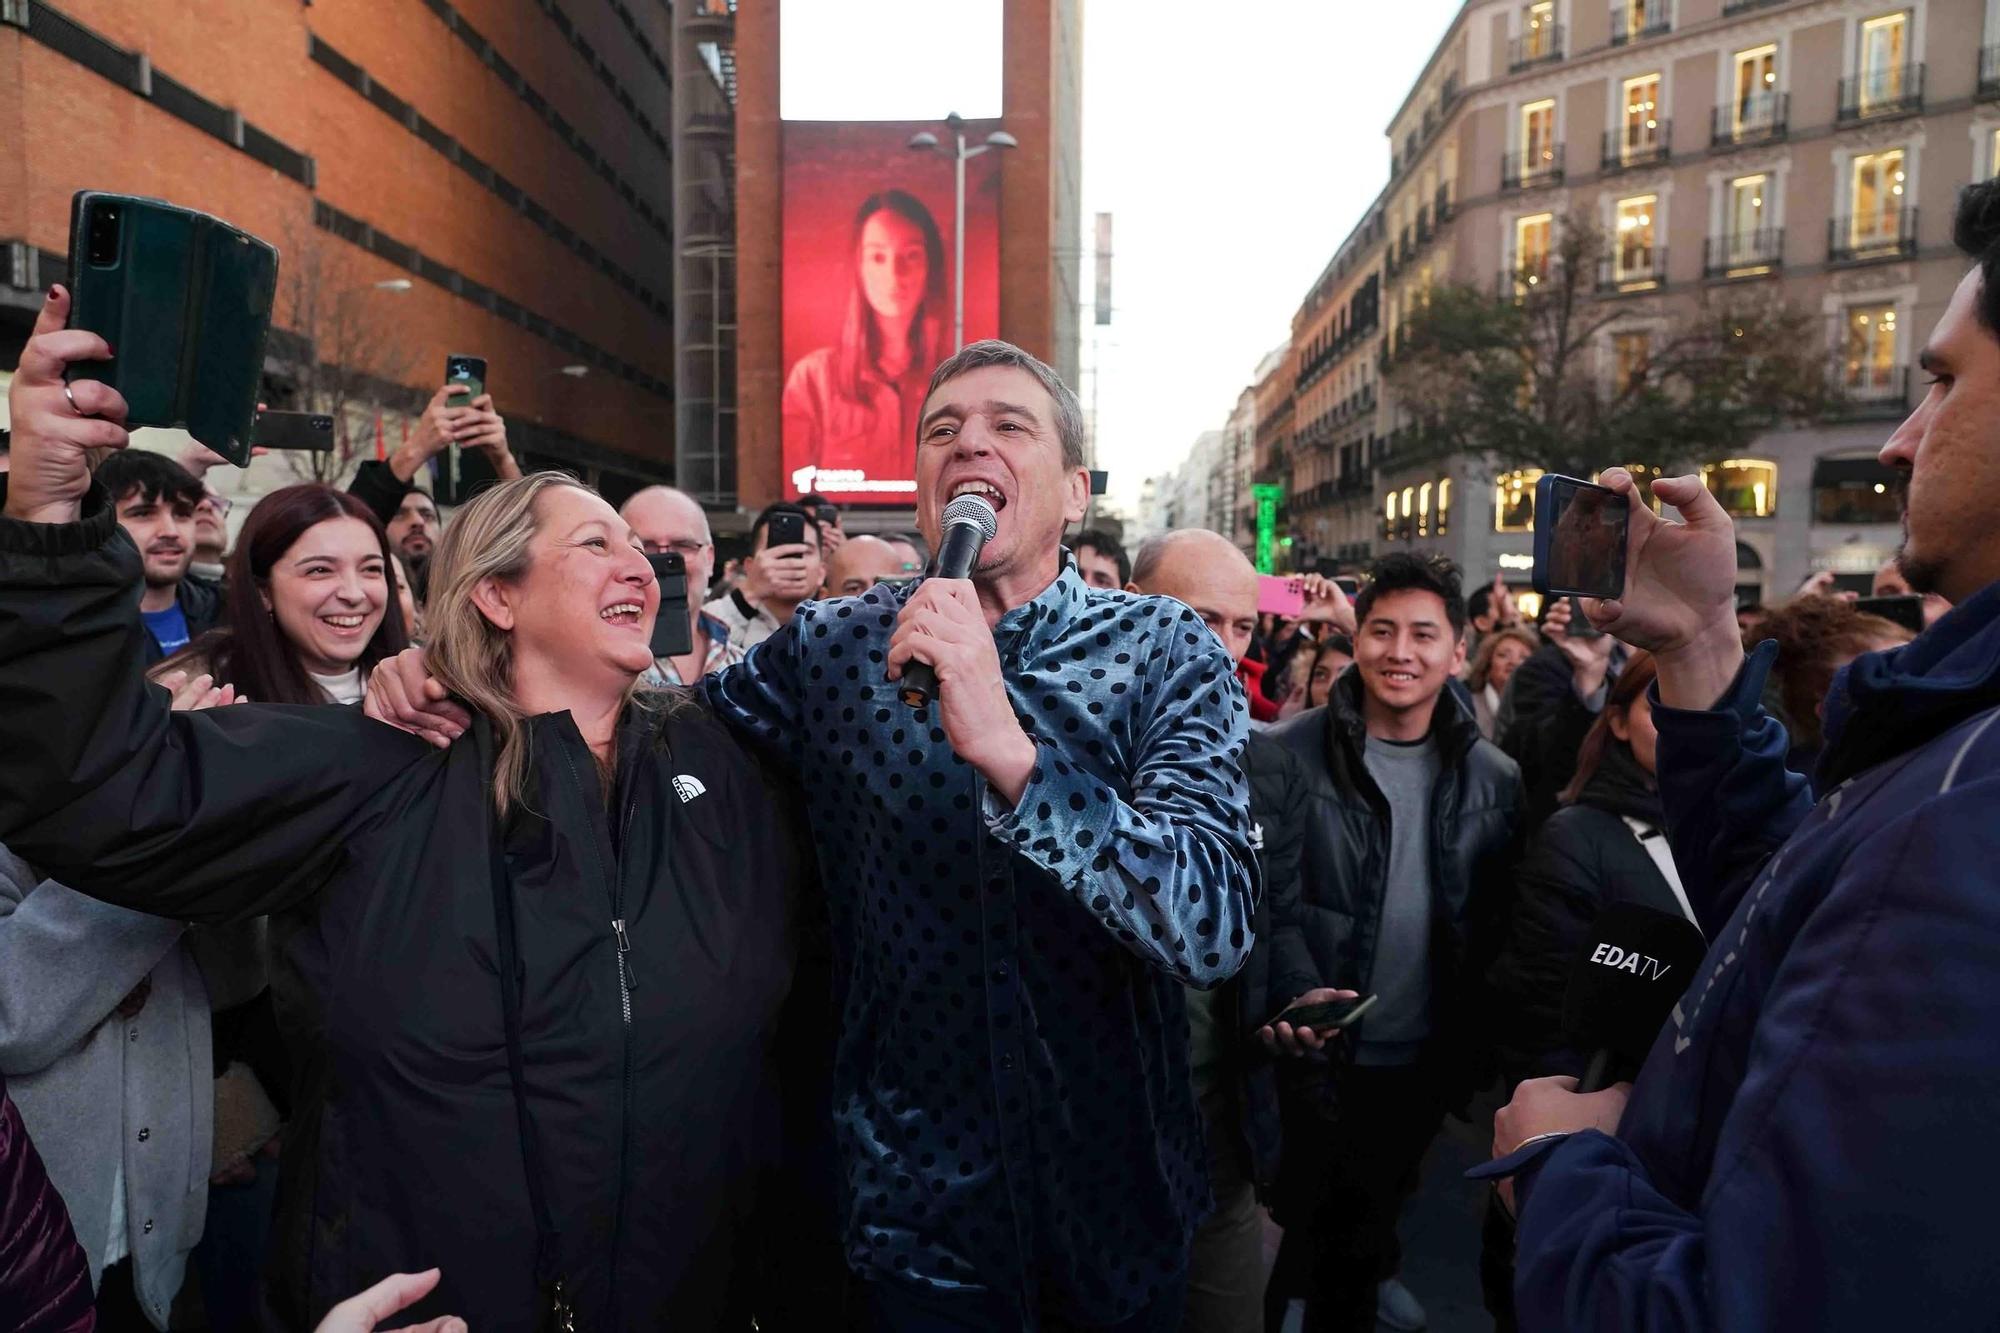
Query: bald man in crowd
{"points": [[1230, 1043], [859, 563], [669, 520]]}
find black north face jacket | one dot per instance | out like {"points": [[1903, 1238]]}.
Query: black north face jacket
{"points": [[650, 1070]]}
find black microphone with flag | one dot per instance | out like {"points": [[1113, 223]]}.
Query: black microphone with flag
{"points": [[969, 523], [1635, 964]]}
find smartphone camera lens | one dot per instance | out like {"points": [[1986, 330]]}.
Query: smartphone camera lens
{"points": [[102, 236], [322, 423]]}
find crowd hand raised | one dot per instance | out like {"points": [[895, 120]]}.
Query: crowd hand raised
{"points": [[436, 427], [778, 573], [481, 427], [1326, 604], [198, 458], [1504, 610], [942, 624], [365, 1312], [50, 469], [403, 693], [192, 694], [1284, 1039], [1589, 658]]}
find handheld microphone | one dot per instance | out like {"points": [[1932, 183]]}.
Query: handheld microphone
{"points": [[1635, 964], [969, 523]]}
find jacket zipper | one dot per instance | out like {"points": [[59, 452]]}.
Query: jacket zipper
{"points": [[615, 882]]}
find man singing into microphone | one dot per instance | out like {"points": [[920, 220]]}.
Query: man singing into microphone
{"points": [[1023, 878]]}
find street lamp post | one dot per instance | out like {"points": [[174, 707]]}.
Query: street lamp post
{"points": [[926, 142]]}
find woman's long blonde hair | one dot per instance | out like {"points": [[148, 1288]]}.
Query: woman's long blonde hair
{"points": [[472, 657]]}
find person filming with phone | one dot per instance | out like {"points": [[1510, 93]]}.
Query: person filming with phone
{"points": [[1807, 1145], [785, 568]]}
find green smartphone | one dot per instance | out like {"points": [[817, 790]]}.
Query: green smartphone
{"points": [[460, 369], [184, 299]]}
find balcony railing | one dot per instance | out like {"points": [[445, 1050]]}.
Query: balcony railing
{"points": [[1526, 171], [1745, 254], [1873, 391], [1423, 224], [1758, 118], [1866, 240], [1642, 270], [1895, 91], [1731, 8], [1443, 206], [1541, 46], [1989, 73], [1522, 282], [1622, 148], [1636, 20]]}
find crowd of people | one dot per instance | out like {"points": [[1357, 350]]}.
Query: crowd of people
{"points": [[724, 989]]}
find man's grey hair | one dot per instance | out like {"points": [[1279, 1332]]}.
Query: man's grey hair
{"points": [[993, 352]]}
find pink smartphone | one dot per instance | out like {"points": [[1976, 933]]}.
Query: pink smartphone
{"points": [[1280, 595]]}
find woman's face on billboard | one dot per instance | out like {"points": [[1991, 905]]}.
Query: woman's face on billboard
{"points": [[894, 268]]}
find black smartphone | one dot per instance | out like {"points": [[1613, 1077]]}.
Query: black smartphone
{"points": [[673, 633], [184, 299], [828, 515], [785, 530], [1348, 584], [1580, 534], [1905, 611], [294, 430], [1331, 1014]]}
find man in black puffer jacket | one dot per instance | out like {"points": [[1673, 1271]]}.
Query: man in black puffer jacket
{"points": [[1413, 829]]}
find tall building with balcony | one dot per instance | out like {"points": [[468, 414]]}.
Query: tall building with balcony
{"points": [[1805, 149]]}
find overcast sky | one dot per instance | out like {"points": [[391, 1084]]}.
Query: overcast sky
{"points": [[1235, 143]]}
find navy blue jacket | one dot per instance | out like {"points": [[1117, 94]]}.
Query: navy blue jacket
{"points": [[1809, 1145]]}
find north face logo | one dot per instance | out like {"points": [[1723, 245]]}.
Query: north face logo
{"points": [[687, 787]]}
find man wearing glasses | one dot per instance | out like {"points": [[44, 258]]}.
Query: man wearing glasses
{"points": [[669, 520]]}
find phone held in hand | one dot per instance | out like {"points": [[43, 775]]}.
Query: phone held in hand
{"points": [[312, 431], [673, 631], [785, 530], [184, 299], [1279, 594], [1328, 1015], [1907, 611], [1580, 537], [461, 371]]}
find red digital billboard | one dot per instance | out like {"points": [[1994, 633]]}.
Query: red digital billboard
{"points": [[868, 297]]}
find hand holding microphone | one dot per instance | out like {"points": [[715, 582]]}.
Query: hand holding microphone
{"points": [[943, 656]]}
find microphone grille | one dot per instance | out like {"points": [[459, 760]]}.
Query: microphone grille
{"points": [[974, 510]]}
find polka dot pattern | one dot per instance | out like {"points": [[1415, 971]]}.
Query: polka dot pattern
{"points": [[1011, 1084]]}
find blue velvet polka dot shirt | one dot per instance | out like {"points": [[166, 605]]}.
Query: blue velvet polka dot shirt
{"points": [[1011, 1087]]}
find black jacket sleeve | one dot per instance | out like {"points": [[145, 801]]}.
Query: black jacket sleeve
{"points": [[379, 488], [1278, 804], [207, 816]]}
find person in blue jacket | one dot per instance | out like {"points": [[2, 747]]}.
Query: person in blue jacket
{"points": [[1808, 1145]]}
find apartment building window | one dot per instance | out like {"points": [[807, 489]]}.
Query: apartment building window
{"points": [[1884, 50], [1755, 108], [1633, 19], [1424, 510], [1389, 517], [1875, 194], [1444, 507], [1538, 137], [1533, 236], [1869, 362], [1409, 512], [1538, 30], [1514, 500], [1641, 139], [1633, 254], [1629, 355], [1745, 487], [1854, 489]]}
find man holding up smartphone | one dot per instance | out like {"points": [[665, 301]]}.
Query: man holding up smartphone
{"points": [[451, 417], [785, 568]]}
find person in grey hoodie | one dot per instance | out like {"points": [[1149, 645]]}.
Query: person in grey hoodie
{"points": [[104, 1046]]}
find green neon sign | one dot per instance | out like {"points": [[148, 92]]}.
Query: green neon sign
{"points": [[1267, 497]]}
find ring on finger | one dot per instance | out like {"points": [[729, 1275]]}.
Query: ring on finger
{"points": [[72, 402]]}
